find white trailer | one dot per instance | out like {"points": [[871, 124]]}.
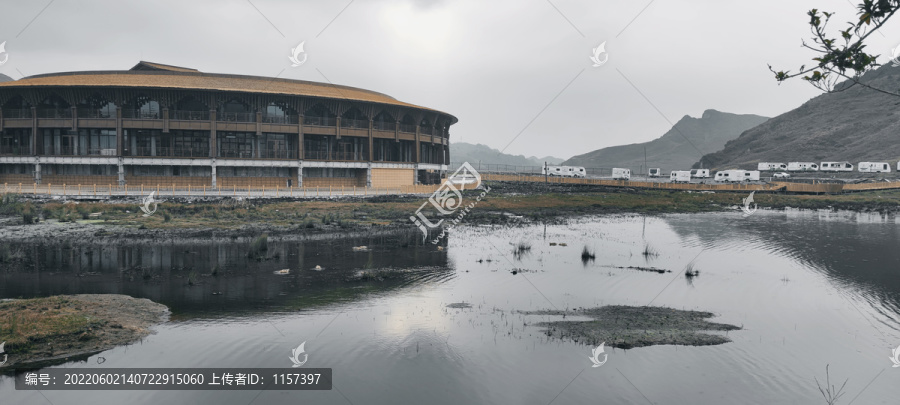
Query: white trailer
{"points": [[578, 171], [874, 167], [700, 173], [802, 167], [680, 176], [730, 176], [751, 175], [621, 174], [561, 171], [771, 166], [655, 172], [836, 167]]}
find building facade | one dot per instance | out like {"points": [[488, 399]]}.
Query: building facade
{"points": [[161, 125]]}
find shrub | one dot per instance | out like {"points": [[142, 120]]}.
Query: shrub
{"points": [[258, 247]]}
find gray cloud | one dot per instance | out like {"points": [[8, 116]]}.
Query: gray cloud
{"points": [[495, 65]]}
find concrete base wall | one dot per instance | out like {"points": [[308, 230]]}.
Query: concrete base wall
{"points": [[393, 177], [75, 180], [166, 181], [16, 179], [336, 182], [244, 182]]}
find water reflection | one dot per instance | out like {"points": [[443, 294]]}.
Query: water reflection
{"points": [[217, 277], [858, 251]]}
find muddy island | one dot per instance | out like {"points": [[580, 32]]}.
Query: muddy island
{"points": [[628, 327], [42, 331]]}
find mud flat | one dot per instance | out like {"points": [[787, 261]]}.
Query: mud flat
{"points": [[43, 331], [628, 327]]}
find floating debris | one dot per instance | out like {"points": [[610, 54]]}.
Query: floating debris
{"points": [[552, 243], [318, 268], [651, 269], [440, 248], [459, 305], [284, 271], [360, 248]]}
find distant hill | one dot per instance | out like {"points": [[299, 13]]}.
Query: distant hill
{"points": [[672, 151], [5, 78], [467, 152], [855, 124]]}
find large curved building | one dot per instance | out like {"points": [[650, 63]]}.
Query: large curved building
{"points": [[165, 125]]}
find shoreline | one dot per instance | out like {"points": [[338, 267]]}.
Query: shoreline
{"points": [[506, 204]]}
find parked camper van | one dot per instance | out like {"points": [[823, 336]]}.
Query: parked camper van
{"points": [[751, 175], [680, 176], [802, 167], [730, 175], [700, 173], [562, 171], [874, 167], [771, 166], [836, 167], [551, 171], [577, 171], [621, 174], [655, 172]]}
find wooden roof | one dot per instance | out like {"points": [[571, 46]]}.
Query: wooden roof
{"points": [[155, 75], [142, 65]]}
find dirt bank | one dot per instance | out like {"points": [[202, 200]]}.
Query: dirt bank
{"points": [[49, 330], [22, 218], [627, 327]]}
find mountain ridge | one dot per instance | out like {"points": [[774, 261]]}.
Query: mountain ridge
{"points": [[851, 124], [679, 148]]}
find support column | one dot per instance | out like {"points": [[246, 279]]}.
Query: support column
{"points": [[213, 172], [300, 138], [300, 175], [37, 171], [165, 115], [418, 147], [397, 131], [34, 132], [337, 128], [371, 142], [213, 143], [74, 118], [120, 143], [121, 166], [369, 175]]}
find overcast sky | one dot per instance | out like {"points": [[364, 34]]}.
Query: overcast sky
{"points": [[517, 73]]}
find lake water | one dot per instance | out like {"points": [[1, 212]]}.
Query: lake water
{"points": [[809, 288]]}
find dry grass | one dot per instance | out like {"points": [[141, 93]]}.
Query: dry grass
{"points": [[26, 322]]}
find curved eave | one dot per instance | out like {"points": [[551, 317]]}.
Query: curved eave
{"points": [[210, 82]]}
